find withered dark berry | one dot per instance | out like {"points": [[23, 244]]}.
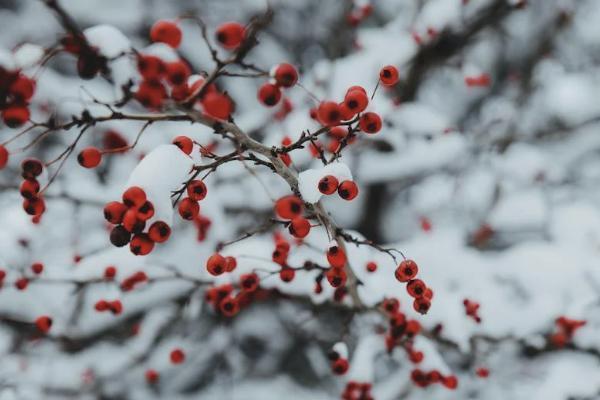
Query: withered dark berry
{"points": [[31, 168], [119, 236]]}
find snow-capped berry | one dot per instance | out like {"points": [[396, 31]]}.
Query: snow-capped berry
{"points": [[178, 72], [29, 188], [328, 184], [388, 75], [15, 115], [356, 101], [31, 168], [336, 256], [89, 157], [299, 227], [141, 244], [230, 34], [134, 196], [196, 190], [119, 236], [188, 208], [159, 232], [37, 268], [184, 143], [269, 94], [421, 305], [114, 212], [340, 366], [249, 282], [289, 207], [370, 122], [329, 113], [217, 105], [416, 288], [43, 323], [336, 277], [348, 190], [216, 264], [145, 211], [34, 206], [3, 156], [177, 356], [406, 271], [166, 32], [285, 75]]}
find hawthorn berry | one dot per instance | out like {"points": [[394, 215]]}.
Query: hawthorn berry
{"points": [[338, 132], [406, 271], [31, 168], [131, 222], [328, 184], [21, 283], [89, 157], [287, 274], [289, 207], [371, 266], [159, 231], [196, 190], [348, 190], [299, 227], [115, 307], [34, 206], [231, 263], [336, 256], [29, 188], [134, 196], [285, 75], [388, 75], [329, 113], [184, 143], [141, 244], [188, 208], [336, 277], [22, 88], [370, 122], [391, 305], [269, 94], [119, 236], [482, 372], [151, 68], [15, 115], [151, 94], [178, 72], [249, 282], [415, 288], [151, 376], [217, 105], [177, 356], [145, 211], [230, 34], [113, 140], [3, 156], [43, 323], [114, 212], [340, 366], [37, 268], [450, 382], [216, 264], [421, 305], [356, 101], [166, 32], [229, 306], [110, 272]]}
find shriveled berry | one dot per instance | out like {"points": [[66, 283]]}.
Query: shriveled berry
{"points": [[31, 168], [119, 236]]}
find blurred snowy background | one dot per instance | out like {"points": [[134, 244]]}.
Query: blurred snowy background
{"points": [[486, 173]]}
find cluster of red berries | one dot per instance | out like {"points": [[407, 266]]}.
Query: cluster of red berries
{"points": [[33, 201], [188, 207], [565, 329], [401, 330], [407, 272], [291, 208], [357, 391], [16, 89], [282, 76], [226, 301], [130, 217], [423, 379], [347, 190], [115, 306], [336, 275], [339, 362], [472, 310], [280, 256]]}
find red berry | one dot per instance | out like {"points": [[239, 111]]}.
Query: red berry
{"points": [[114, 212], [178, 72], [422, 305], [371, 266], [131, 222], [34, 206], [336, 277], [134, 197], [482, 372], [287, 274], [151, 68], [249, 282], [269, 94], [328, 184], [370, 122], [285, 75], [348, 190], [31, 168], [336, 257], [37, 268], [116, 307], [21, 283], [356, 101], [113, 140], [229, 306], [416, 288], [346, 113], [299, 227], [101, 305], [231, 263], [450, 382], [216, 264], [151, 94], [145, 211], [22, 88], [188, 209], [329, 113], [230, 34], [289, 207], [388, 75], [43, 323], [177, 356], [196, 190], [184, 143], [159, 232], [89, 157], [141, 244], [29, 188], [15, 116], [406, 271], [391, 306], [151, 376], [338, 132], [110, 272], [340, 366], [166, 32], [217, 105], [3, 156]]}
